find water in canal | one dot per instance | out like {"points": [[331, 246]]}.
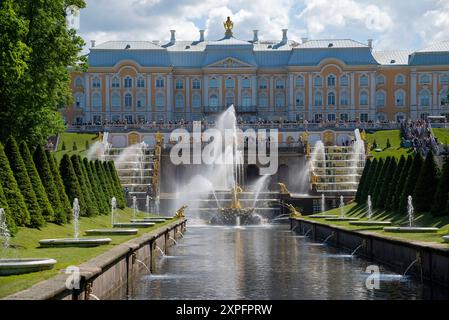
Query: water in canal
{"points": [[266, 262]]}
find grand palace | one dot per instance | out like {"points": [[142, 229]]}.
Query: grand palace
{"points": [[337, 80]]}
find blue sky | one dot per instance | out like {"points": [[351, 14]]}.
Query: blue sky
{"points": [[393, 24]]}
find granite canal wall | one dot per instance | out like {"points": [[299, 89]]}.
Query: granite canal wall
{"points": [[111, 272]]}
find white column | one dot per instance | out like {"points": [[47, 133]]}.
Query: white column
{"points": [[413, 105], [169, 97]]}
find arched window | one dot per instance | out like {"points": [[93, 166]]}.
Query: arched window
{"points": [[300, 81], [380, 99], [79, 82], [229, 83], [213, 101], [331, 81], [141, 102], [444, 79], [96, 100], [318, 81], [79, 100], [196, 101], [196, 84], [160, 101], [128, 82], [424, 79], [160, 83], [344, 80], [363, 99], [115, 101], [363, 82], [141, 82], [246, 83], [263, 84], [280, 100], [400, 116], [263, 101], [344, 98], [399, 80], [96, 83], [399, 98], [179, 101], [444, 97], [213, 83], [380, 80], [128, 101], [318, 99], [179, 84], [331, 99], [381, 116], [299, 99], [230, 98], [115, 82], [246, 101], [280, 84], [424, 98]]}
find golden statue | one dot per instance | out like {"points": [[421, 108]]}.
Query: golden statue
{"points": [[180, 213], [228, 25], [313, 178], [283, 188], [294, 213], [235, 204]]}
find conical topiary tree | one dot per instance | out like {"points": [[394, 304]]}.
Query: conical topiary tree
{"points": [[103, 180], [59, 184], [426, 185], [43, 168], [383, 195], [369, 181], [439, 207], [393, 183], [120, 195], [24, 183], [12, 193], [376, 175], [39, 190], [400, 186], [91, 209], [380, 180], [102, 202], [71, 184], [101, 185], [108, 177], [412, 177], [362, 182], [9, 219]]}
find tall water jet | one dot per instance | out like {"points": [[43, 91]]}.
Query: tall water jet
{"points": [[410, 211], [147, 204], [5, 235], [260, 185], [342, 204], [323, 203], [113, 209], [358, 157], [134, 207], [370, 207], [76, 218]]}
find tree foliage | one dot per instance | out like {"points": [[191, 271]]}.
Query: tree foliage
{"points": [[426, 185], [409, 186]]}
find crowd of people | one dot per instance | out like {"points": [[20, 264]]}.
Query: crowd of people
{"points": [[418, 134]]}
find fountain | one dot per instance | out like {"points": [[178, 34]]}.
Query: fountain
{"points": [[411, 221], [121, 232], [323, 209], [75, 241], [370, 222], [13, 266], [342, 216]]}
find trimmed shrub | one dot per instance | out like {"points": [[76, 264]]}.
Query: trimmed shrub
{"points": [[24, 183], [102, 202], [380, 181], [439, 207], [369, 181], [389, 174], [103, 180], [63, 147], [393, 183], [426, 185], [120, 193], [91, 207], [412, 177], [375, 178], [9, 219], [362, 182], [74, 147], [71, 183], [396, 197]]}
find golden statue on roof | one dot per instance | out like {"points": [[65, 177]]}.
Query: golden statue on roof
{"points": [[228, 25]]}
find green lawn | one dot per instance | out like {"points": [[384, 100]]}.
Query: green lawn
{"points": [[442, 135], [422, 220], [68, 138], [381, 138], [25, 245]]}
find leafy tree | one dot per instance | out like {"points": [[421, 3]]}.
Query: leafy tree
{"points": [[369, 181], [119, 190], [71, 183], [426, 185], [12, 193], [43, 168], [24, 183], [59, 183], [362, 182], [380, 181], [400, 186], [9, 219], [385, 188], [91, 209], [439, 207], [36, 183], [409, 186], [393, 183]]}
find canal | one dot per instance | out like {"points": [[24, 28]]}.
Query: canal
{"points": [[267, 262]]}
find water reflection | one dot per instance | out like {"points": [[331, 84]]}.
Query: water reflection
{"points": [[266, 263]]}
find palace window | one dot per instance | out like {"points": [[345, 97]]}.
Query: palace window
{"points": [[331, 99], [115, 82], [79, 82], [444, 79], [300, 81], [280, 84], [128, 82], [363, 82], [115, 118], [424, 116], [299, 99], [79, 100], [246, 101], [380, 99], [141, 101], [96, 101], [318, 81], [160, 101], [213, 83], [229, 83], [115, 101], [380, 80], [179, 101], [331, 81], [263, 101], [363, 99], [280, 100], [128, 101], [246, 83], [400, 117], [179, 84], [128, 118], [424, 79], [344, 81], [331, 117], [96, 83], [263, 84], [160, 82], [196, 84], [213, 101], [399, 80], [364, 117], [196, 101], [424, 98], [344, 117], [444, 97], [381, 116], [344, 99], [318, 99], [399, 98], [230, 100], [141, 83]]}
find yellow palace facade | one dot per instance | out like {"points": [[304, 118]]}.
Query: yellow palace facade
{"points": [[306, 80]]}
